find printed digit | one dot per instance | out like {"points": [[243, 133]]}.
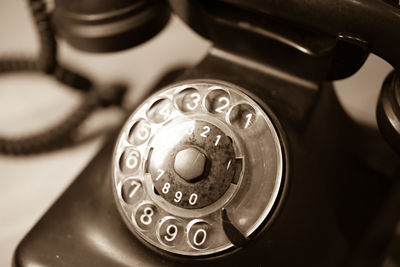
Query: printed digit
{"points": [[132, 159], [248, 116], [178, 196], [218, 138], [199, 237], [135, 187], [143, 132], [225, 104], [165, 111], [195, 101], [147, 216], [206, 131], [160, 173], [165, 188], [193, 199], [172, 231], [191, 129]]}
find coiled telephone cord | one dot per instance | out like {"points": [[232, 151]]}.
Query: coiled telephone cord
{"points": [[61, 134]]}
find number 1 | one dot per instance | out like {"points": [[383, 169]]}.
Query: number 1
{"points": [[218, 138], [248, 116]]}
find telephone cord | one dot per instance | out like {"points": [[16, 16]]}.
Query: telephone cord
{"points": [[62, 133]]}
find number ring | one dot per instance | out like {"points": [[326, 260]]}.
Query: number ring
{"points": [[218, 174]]}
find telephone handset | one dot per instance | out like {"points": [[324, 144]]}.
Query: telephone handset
{"points": [[246, 158]]}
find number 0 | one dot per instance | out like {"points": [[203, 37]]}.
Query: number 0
{"points": [[193, 199], [199, 237]]}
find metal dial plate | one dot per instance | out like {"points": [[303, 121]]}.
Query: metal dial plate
{"points": [[193, 158]]}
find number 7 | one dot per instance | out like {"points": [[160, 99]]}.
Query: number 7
{"points": [[160, 173]]}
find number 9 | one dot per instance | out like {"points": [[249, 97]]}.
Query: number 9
{"points": [[171, 232]]}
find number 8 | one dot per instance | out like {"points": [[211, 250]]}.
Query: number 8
{"points": [[147, 215], [165, 188]]}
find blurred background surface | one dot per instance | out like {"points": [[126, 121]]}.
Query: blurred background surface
{"points": [[31, 102]]}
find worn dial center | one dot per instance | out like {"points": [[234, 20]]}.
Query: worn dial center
{"points": [[190, 164]]}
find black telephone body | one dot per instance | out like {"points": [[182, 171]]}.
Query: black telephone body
{"points": [[246, 159]]}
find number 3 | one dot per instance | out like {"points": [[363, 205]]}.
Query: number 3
{"points": [[225, 104], [195, 101]]}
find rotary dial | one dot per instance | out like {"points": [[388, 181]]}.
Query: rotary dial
{"points": [[193, 161]]}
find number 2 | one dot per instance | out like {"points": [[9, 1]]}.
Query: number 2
{"points": [[206, 131], [224, 106]]}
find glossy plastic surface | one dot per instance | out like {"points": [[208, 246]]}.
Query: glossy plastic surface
{"points": [[106, 26]]}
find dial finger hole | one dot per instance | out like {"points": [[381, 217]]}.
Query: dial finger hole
{"points": [[188, 100], [131, 191], [217, 101], [139, 133], [199, 234], [170, 231], [160, 111], [146, 216], [130, 161], [242, 116]]}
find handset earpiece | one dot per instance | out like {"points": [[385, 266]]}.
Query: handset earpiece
{"points": [[107, 26]]}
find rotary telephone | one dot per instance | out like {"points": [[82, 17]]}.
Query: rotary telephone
{"points": [[246, 158]]}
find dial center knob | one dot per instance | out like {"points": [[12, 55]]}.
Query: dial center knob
{"points": [[190, 164]]}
